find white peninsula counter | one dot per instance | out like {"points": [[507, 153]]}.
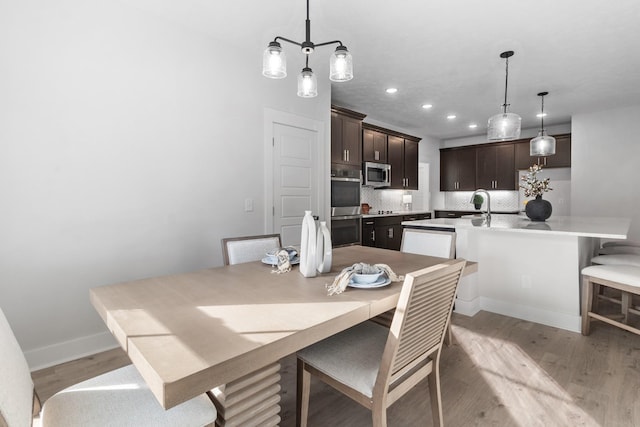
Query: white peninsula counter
{"points": [[527, 270]]}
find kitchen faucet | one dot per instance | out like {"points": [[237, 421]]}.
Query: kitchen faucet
{"points": [[480, 190]]}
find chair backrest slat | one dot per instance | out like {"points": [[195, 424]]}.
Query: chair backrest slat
{"points": [[421, 318]]}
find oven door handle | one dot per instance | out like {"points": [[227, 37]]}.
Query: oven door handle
{"points": [[337, 218], [341, 179]]}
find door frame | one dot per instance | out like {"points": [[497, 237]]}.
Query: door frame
{"points": [[323, 167]]}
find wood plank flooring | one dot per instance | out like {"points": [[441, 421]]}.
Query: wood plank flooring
{"points": [[499, 371]]}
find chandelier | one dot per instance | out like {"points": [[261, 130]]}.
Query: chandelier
{"points": [[274, 62]]}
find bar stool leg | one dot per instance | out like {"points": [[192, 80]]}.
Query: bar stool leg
{"points": [[587, 304], [626, 305]]}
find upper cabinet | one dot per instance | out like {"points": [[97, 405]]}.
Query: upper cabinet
{"points": [[374, 145], [495, 167], [562, 158], [346, 136], [458, 169], [403, 158]]}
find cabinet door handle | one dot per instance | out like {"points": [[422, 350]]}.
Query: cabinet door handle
{"points": [[390, 233], [373, 235], [376, 155], [347, 155], [545, 161], [344, 155]]}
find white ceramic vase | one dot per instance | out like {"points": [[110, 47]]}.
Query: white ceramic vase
{"points": [[323, 249], [308, 266]]}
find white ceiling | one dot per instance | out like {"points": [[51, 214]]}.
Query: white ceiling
{"points": [[585, 53]]}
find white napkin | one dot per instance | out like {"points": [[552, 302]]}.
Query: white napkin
{"points": [[342, 280]]}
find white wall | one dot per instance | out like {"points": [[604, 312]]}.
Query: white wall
{"points": [[604, 165], [128, 148]]}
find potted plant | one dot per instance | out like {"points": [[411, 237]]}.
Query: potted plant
{"points": [[478, 200], [537, 209]]}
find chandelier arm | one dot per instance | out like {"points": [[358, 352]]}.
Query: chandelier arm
{"points": [[328, 43], [287, 40]]}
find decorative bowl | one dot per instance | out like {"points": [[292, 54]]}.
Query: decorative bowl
{"points": [[365, 278]]}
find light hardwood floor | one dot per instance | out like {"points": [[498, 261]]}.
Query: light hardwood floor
{"points": [[499, 371]]}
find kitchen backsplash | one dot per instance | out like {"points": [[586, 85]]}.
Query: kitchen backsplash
{"points": [[500, 201], [384, 200]]}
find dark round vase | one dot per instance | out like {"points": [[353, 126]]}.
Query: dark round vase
{"points": [[538, 209]]}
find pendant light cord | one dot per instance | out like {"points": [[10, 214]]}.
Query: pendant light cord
{"points": [[542, 115], [506, 85]]}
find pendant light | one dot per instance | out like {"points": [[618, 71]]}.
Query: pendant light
{"points": [[543, 144], [504, 126], [274, 63]]}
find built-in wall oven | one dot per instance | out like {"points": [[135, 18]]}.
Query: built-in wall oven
{"points": [[345, 207]]}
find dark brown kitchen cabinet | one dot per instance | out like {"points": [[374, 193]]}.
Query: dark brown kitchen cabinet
{"points": [[562, 158], [458, 169], [374, 145], [388, 232], [403, 158], [346, 136], [495, 167], [368, 232]]}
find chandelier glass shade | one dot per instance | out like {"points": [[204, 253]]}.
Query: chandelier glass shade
{"points": [[504, 126], [543, 144], [274, 64], [307, 83]]}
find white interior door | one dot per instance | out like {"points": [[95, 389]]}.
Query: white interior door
{"points": [[295, 179]]}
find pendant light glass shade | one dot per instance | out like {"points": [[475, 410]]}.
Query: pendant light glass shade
{"points": [[307, 83], [274, 62], [341, 66], [543, 144], [504, 126]]}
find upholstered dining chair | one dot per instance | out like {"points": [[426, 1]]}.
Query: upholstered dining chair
{"points": [[424, 242], [374, 365], [117, 398], [236, 250]]}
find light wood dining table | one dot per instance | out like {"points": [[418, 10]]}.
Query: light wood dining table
{"points": [[225, 328]]}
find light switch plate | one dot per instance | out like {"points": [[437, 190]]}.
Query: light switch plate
{"points": [[248, 205]]}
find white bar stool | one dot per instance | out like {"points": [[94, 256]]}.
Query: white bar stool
{"points": [[625, 278]]}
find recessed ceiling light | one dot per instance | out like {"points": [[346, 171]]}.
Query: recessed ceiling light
{"points": [[473, 126], [451, 116], [426, 106], [392, 90], [541, 115]]}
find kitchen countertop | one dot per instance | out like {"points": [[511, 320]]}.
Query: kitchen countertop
{"points": [[394, 213], [602, 227]]}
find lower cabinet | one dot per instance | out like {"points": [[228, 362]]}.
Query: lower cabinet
{"points": [[386, 232]]}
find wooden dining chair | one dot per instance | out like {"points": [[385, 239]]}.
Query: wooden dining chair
{"points": [[236, 250], [374, 365], [117, 398]]}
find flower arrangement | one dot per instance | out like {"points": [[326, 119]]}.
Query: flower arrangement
{"points": [[533, 187]]}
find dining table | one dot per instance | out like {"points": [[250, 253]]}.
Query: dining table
{"points": [[223, 330]]}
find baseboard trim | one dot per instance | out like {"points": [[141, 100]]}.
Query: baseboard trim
{"points": [[467, 308], [44, 357], [544, 317]]}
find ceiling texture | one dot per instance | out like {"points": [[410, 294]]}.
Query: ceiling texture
{"points": [[585, 53]]}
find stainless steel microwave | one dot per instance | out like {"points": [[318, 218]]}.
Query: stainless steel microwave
{"points": [[377, 175]]}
